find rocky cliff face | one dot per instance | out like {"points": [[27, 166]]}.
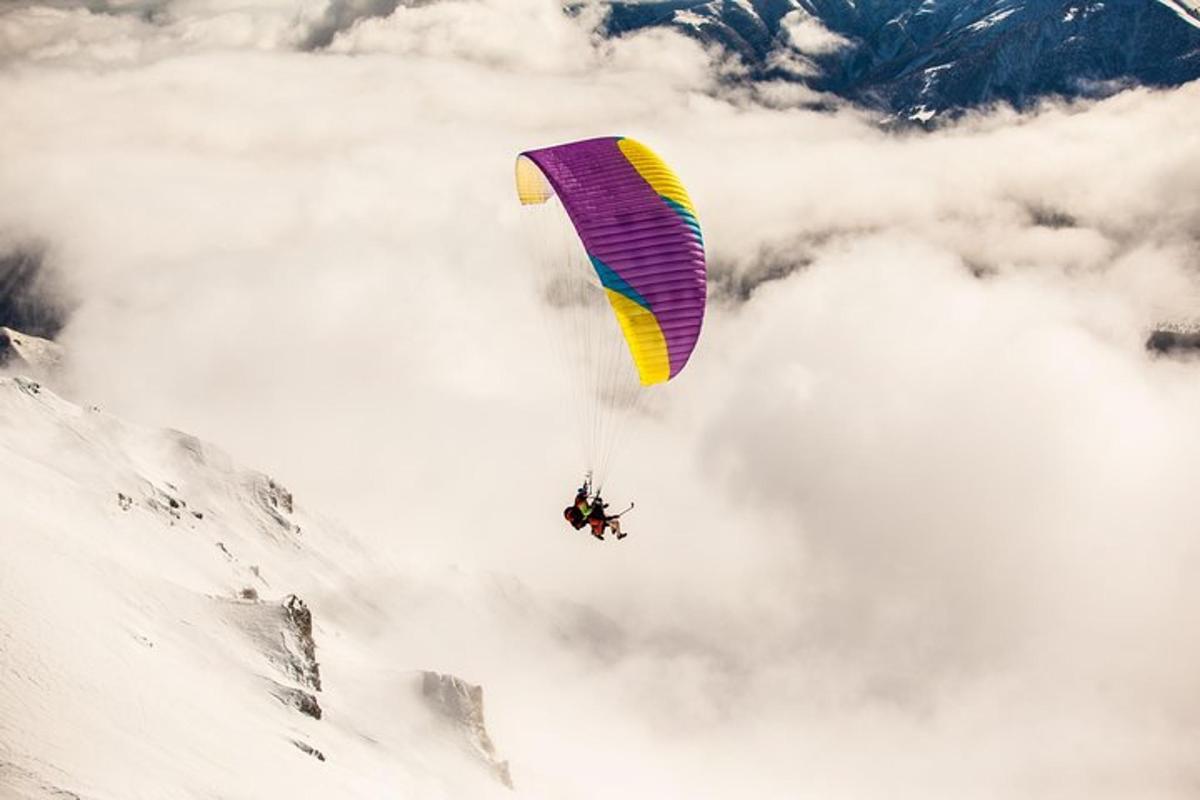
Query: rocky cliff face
{"points": [[461, 704]]}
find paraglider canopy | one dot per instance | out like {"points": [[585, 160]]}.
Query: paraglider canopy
{"points": [[641, 234]]}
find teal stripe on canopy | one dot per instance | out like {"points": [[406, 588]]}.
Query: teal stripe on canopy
{"points": [[609, 279]]}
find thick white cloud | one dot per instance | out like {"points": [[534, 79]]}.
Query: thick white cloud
{"points": [[919, 514], [807, 35]]}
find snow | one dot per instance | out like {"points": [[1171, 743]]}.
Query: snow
{"points": [[1187, 10], [922, 114], [690, 18], [992, 19], [155, 641], [149, 645]]}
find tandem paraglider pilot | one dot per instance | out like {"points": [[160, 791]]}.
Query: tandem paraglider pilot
{"points": [[590, 512]]}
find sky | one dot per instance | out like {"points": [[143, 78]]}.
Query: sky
{"points": [[917, 519]]}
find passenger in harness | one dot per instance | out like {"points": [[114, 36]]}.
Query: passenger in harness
{"points": [[592, 512]]}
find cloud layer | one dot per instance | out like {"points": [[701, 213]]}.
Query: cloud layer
{"points": [[918, 518]]}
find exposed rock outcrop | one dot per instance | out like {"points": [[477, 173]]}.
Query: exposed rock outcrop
{"points": [[461, 704], [298, 699], [1175, 340], [304, 667], [304, 747], [283, 633], [275, 503]]}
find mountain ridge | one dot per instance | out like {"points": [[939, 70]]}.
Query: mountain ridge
{"points": [[921, 59]]}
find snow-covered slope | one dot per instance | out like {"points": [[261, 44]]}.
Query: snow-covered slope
{"points": [[172, 625], [156, 642]]}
